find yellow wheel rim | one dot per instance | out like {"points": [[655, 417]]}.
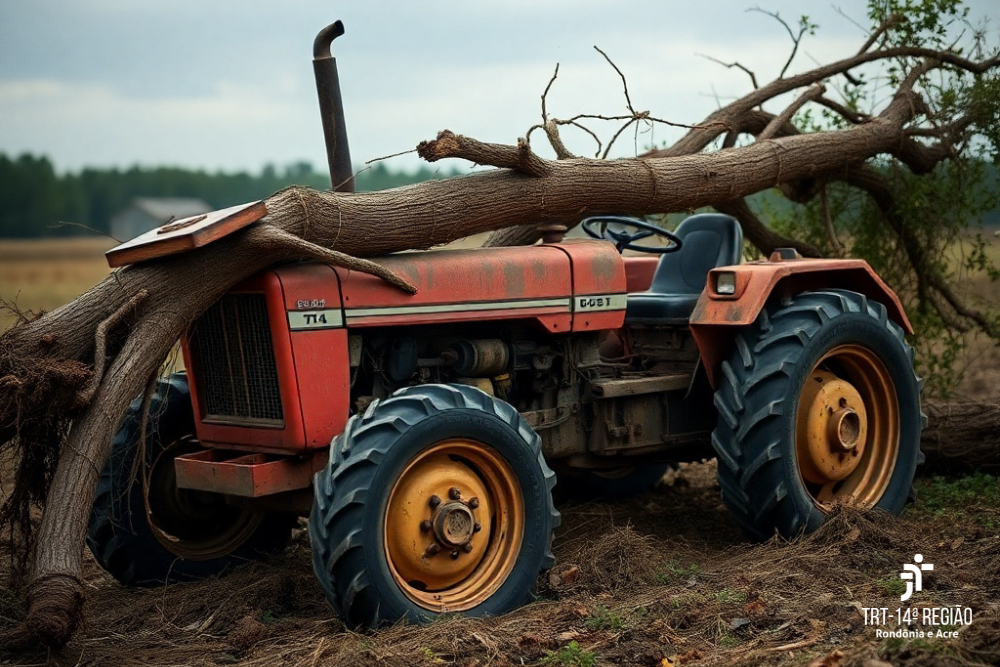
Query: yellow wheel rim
{"points": [[847, 428], [453, 525]]}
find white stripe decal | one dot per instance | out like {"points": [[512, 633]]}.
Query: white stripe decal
{"points": [[330, 318], [355, 313], [599, 302]]}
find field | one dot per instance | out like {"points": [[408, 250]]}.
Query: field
{"points": [[659, 580]]}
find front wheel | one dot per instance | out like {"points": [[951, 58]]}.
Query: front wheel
{"points": [[818, 405], [144, 530], [435, 500]]}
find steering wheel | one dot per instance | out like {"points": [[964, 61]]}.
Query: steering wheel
{"points": [[615, 229]]}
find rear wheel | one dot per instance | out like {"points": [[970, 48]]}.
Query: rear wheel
{"points": [[818, 405], [436, 500], [144, 530]]}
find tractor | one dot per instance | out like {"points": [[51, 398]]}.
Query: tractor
{"points": [[422, 435]]}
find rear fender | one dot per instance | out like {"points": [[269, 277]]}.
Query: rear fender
{"points": [[718, 317]]}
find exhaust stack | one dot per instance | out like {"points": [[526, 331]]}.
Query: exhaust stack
{"points": [[331, 108]]}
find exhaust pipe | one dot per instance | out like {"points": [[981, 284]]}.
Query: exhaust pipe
{"points": [[331, 109]]}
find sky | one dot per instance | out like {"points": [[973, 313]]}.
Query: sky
{"points": [[228, 84]]}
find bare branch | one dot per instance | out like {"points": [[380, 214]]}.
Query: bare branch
{"points": [[786, 115], [888, 24], [831, 233], [552, 132], [796, 38], [386, 157], [846, 112], [736, 64], [451, 145], [89, 390], [628, 100], [270, 236], [621, 129], [545, 93]]}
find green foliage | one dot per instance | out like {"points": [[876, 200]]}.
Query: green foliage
{"points": [[893, 586], [571, 655], [34, 199], [940, 493], [729, 596], [602, 618], [674, 570], [934, 226]]}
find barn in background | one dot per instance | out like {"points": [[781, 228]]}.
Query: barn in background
{"points": [[145, 213]]}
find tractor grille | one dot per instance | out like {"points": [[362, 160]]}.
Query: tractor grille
{"points": [[238, 378]]}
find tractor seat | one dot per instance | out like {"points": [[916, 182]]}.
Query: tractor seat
{"points": [[708, 240]]}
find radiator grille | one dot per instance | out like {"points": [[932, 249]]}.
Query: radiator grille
{"points": [[235, 357]]}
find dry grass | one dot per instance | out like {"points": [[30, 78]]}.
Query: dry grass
{"points": [[43, 274], [666, 575]]}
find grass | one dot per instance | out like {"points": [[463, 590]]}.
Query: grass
{"points": [[728, 596], [971, 496], [571, 655], [674, 571], [603, 618], [43, 274], [893, 586]]}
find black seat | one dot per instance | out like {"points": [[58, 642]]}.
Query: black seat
{"points": [[708, 240]]}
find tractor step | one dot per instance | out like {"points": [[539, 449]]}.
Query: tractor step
{"points": [[246, 475]]}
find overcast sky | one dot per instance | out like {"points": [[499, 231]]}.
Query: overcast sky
{"points": [[227, 84]]}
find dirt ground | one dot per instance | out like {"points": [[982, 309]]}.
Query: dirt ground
{"points": [[662, 579]]}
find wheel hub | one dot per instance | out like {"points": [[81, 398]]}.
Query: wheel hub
{"points": [[453, 525], [832, 428]]}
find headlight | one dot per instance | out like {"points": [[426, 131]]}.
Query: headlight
{"points": [[725, 282]]}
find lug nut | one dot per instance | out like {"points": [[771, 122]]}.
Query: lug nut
{"points": [[435, 501], [454, 554], [467, 547], [425, 525], [432, 549], [454, 493], [473, 502], [477, 527]]}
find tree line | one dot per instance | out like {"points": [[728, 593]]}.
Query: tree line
{"points": [[36, 201]]}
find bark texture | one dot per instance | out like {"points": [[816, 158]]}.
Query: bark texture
{"points": [[961, 438]]}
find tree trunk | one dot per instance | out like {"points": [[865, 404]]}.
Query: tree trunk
{"points": [[961, 438]]}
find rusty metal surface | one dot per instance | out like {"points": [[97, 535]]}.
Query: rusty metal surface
{"points": [[331, 108], [847, 428], [716, 317], [245, 475]]}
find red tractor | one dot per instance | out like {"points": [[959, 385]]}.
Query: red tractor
{"points": [[423, 435]]}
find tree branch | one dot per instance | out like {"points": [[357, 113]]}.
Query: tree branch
{"points": [[451, 145], [786, 115]]}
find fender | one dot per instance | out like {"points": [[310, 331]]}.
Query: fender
{"points": [[717, 317]]}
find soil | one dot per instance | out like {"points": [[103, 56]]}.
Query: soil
{"points": [[662, 579]]}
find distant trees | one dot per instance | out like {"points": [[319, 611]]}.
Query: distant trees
{"points": [[34, 199]]}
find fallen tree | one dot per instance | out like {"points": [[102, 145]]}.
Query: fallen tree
{"points": [[68, 376]]}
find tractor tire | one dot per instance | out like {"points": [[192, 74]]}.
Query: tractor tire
{"points": [[186, 535], [436, 499], [614, 484], [818, 404]]}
